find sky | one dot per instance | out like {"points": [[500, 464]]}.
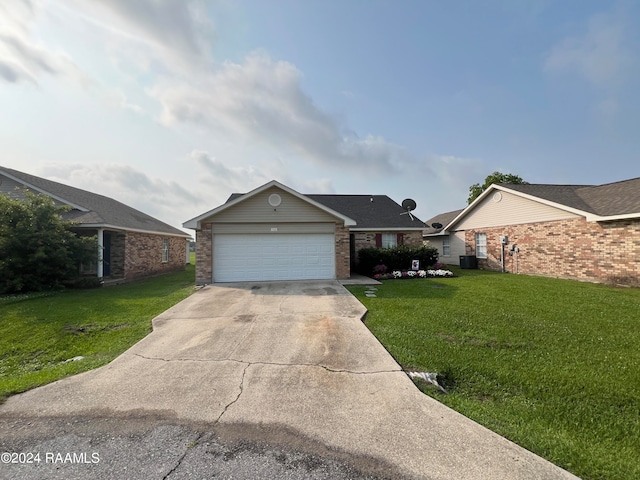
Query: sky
{"points": [[170, 106]]}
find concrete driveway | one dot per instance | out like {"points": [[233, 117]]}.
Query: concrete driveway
{"points": [[289, 365]]}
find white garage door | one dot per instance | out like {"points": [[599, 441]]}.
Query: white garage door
{"points": [[247, 257]]}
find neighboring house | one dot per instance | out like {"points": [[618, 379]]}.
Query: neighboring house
{"points": [[585, 232], [132, 244], [276, 233], [449, 246]]}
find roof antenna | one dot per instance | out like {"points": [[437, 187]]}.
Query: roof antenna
{"points": [[408, 204]]}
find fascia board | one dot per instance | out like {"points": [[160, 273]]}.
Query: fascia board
{"points": [[549, 203], [533, 198], [45, 192], [388, 229], [125, 229], [195, 223], [610, 218]]}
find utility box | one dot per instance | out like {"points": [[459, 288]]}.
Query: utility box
{"points": [[468, 262], [504, 240]]}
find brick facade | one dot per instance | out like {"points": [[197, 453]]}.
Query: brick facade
{"points": [[368, 239], [607, 252], [343, 254], [143, 255], [204, 254]]}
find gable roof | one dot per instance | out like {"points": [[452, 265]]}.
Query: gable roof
{"points": [[443, 219], [610, 199], [236, 198], [92, 210], [371, 211], [597, 203], [360, 212]]}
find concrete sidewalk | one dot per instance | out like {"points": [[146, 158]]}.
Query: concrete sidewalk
{"points": [[292, 365]]}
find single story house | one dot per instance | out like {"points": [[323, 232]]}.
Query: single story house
{"points": [[584, 232], [132, 244], [436, 236], [276, 233]]}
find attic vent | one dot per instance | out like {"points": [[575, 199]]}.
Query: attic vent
{"points": [[275, 200], [497, 197]]}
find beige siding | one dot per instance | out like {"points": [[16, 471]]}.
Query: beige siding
{"points": [[510, 210], [257, 210], [456, 248], [222, 228]]}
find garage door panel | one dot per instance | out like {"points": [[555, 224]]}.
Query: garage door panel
{"points": [[247, 257]]}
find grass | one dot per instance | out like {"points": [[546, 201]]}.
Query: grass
{"points": [[553, 365], [39, 333]]}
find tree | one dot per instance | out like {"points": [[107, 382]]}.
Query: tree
{"points": [[496, 177], [38, 250]]}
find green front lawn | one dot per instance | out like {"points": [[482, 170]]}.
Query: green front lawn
{"points": [[40, 332], [553, 365]]}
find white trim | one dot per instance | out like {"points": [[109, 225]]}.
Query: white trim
{"points": [[387, 229], [626, 216], [100, 253], [45, 192], [195, 223], [533, 198], [126, 229]]}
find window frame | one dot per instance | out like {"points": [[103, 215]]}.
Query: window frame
{"points": [[481, 245], [446, 246], [389, 240], [165, 250]]}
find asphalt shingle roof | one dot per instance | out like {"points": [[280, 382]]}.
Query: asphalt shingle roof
{"points": [[369, 211], [101, 210], [443, 219], [618, 198]]}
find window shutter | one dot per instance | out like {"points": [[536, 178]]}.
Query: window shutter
{"points": [[378, 240], [400, 239]]}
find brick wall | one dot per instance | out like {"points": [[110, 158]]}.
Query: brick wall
{"points": [[607, 252], [118, 245], [143, 255], [204, 253], [343, 254], [368, 239]]}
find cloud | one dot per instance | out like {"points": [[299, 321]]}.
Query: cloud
{"points": [[222, 179], [261, 101], [601, 55], [23, 59], [165, 200], [178, 34]]}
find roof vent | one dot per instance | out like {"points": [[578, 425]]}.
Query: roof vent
{"points": [[275, 200]]}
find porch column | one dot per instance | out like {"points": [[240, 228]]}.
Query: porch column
{"points": [[100, 252]]}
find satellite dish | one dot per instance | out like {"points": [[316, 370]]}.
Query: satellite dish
{"points": [[436, 225], [408, 204]]}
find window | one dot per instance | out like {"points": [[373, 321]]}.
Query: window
{"points": [[481, 245], [446, 247], [389, 240], [165, 250]]}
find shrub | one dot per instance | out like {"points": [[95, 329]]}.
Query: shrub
{"points": [[38, 250], [397, 258]]}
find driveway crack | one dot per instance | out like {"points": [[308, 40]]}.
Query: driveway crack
{"points": [[182, 457], [244, 372], [276, 364]]}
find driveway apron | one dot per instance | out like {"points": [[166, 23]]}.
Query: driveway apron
{"points": [[289, 363]]}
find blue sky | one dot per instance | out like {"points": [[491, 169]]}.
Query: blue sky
{"points": [[170, 106]]}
